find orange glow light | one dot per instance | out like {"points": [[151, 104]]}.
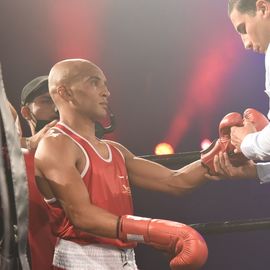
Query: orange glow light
{"points": [[163, 149]]}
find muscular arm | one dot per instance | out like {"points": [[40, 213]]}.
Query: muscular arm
{"points": [[150, 175], [56, 162]]}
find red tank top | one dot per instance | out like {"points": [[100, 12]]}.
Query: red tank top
{"points": [[107, 183], [40, 237]]}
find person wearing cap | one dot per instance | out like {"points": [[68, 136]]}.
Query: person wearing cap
{"points": [[39, 111]]}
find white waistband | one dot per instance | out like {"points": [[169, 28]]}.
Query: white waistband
{"points": [[73, 256]]}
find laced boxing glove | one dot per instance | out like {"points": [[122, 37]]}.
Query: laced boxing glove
{"points": [[223, 144], [183, 243]]}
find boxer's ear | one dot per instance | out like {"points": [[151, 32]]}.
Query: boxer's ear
{"points": [[64, 93]]}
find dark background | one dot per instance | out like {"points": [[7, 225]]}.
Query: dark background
{"points": [[174, 68]]}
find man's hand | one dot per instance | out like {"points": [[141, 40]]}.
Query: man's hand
{"points": [[239, 133], [31, 143], [253, 121], [223, 144], [225, 170]]}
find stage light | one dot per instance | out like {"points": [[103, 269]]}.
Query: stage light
{"points": [[205, 143], [164, 149]]}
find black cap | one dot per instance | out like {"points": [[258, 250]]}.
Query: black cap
{"points": [[34, 88]]}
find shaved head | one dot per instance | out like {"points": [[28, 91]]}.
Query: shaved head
{"points": [[78, 88], [68, 72]]}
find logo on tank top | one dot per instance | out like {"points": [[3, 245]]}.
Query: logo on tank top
{"points": [[125, 187], [126, 190]]}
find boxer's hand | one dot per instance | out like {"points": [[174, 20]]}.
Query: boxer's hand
{"points": [[223, 144], [186, 245], [253, 121]]}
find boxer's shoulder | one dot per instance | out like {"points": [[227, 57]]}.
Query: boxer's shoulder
{"points": [[56, 144]]}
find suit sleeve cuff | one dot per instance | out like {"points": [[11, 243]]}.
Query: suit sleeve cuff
{"points": [[247, 146], [263, 171]]}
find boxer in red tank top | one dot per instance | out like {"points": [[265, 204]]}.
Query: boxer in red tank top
{"points": [[85, 182], [108, 187]]}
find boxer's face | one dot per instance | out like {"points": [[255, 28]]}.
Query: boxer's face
{"points": [[92, 94], [254, 29], [43, 108]]}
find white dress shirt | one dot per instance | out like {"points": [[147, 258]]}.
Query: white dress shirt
{"points": [[256, 146]]}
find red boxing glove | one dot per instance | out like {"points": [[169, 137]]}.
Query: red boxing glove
{"points": [[256, 118], [185, 244], [223, 144]]}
